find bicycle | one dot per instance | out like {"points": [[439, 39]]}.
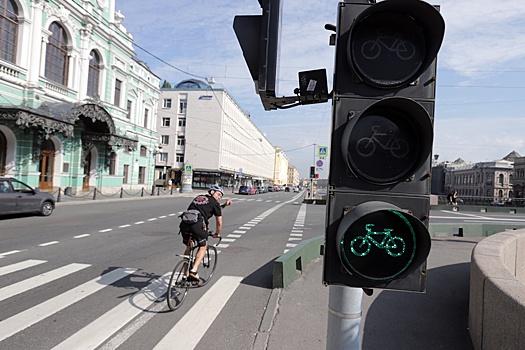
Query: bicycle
{"points": [[179, 284]]}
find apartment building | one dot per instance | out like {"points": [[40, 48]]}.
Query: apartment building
{"points": [[202, 130]]}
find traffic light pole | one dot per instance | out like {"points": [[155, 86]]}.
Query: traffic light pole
{"points": [[344, 318]]}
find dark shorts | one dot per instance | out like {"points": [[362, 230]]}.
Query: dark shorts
{"points": [[196, 231]]}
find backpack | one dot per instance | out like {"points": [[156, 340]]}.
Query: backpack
{"points": [[191, 216]]}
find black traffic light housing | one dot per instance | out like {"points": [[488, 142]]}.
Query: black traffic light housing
{"points": [[312, 172], [382, 131]]}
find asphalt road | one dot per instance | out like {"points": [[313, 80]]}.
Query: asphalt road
{"points": [[64, 293]]}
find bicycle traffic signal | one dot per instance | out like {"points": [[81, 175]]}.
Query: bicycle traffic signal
{"points": [[382, 130]]}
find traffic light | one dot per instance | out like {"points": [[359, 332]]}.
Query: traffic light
{"points": [[312, 172], [382, 130]]}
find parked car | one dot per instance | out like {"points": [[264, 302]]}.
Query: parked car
{"points": [[296, 189], [271, 189], [246, 190], [17, 197], [262, 189]]}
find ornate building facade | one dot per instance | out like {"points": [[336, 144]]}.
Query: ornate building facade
{"points": [[77, 110]]}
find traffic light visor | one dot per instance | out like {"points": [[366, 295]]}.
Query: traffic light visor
{"points": [[405, 34], [387, 142]]}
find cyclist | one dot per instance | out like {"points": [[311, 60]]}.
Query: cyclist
{"points": [[208, 205]]}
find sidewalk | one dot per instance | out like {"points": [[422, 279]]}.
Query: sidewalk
{"points": [[436, 319]]}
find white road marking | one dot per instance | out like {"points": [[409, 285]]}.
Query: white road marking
{"points": [[33, 282], [48, 243], [94, 334], [106, 230], [10, 252], [193, 325], [19, 266], [239, 231], [82, 236], [29, 317], [234, 236], [228, 240], [139, 222], [123, 226]]}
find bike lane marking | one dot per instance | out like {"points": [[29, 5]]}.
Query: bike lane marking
{"points": [[20, 266], [188, 332]]}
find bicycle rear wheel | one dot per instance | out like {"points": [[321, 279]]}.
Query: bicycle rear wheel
{"points": [[208, 265], [178, 286]]}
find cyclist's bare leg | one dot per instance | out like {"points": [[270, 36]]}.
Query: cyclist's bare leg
{"points": [[187, 252], [199, 257]]}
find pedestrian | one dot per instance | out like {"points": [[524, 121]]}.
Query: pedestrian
{"points": [[169, 184], [452, 199], [207, 205]]}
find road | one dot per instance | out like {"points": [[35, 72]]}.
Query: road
{"points": [[94, 273]]}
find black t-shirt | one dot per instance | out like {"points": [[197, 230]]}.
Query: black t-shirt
{"points": [[207, 205]]}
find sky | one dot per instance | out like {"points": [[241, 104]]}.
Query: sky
{"points": [[480, 107]]}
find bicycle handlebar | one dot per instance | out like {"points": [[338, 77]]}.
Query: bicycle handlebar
{"points": [[211, 233]]}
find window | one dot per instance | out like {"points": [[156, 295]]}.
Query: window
{"points": [[146, 113], [163, 157], [118, 87], [93, 74], [165, 121], [166, 103], [143, 151], [8, 30], [142, 174], [183, 104], [113, 164], [125, 174], [500, 179], [165, 139], [128, 108], [182, 122], [181, 141], [57, 59], [180, 158]]}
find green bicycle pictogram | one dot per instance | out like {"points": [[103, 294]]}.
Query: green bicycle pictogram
{"points": [[361, 245]]}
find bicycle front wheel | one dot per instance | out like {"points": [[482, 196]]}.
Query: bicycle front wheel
{"points": [[178, 286], [208, 265]]}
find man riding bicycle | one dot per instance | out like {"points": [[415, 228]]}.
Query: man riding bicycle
{"points": [[207, 205]]}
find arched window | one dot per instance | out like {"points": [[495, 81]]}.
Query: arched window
{"points": [[9, 30], [93, 75], [56, 55], [500, 179]]}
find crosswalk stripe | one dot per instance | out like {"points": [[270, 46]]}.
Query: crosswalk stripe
{"points": [[105, 326], [29, 317], [191, 327], [20, 266], [39, 280]]}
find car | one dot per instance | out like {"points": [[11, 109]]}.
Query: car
{"points": [[296, 189], [16, 197], [271, 189], [262, 189], [246, 190], [497, 203], [287, 189]]}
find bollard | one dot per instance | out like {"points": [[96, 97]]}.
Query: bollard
{"points": [[59, 197], [121, 192], [95, 194], [142, 192]]}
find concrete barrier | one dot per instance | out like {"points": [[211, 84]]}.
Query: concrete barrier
{"points": [[497, 292], [470, 229], [289, 265]]}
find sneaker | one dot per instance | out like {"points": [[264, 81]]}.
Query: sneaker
{"points": [[193, 276]]}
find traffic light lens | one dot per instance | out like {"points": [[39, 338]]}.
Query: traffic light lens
{"points": [[382, 147], [384, 40], [379, 246]]}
